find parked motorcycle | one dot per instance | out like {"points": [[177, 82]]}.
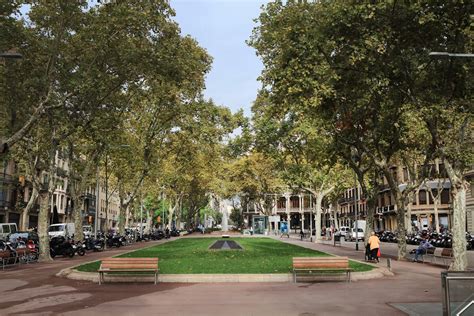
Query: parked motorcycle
{"points": [[113, 241], [158, 235], [94, 244], [175, 232], [60, 246], [80, 248]]}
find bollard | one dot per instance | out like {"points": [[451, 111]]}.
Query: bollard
{"points": [[389, 264]]}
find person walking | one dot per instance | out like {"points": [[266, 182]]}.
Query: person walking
{"points": [[374, 243]]}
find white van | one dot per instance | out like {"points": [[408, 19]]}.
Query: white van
{"points": [[7, 229], [360, 231], [64, 229]]}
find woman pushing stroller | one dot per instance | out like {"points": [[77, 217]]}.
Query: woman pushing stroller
{"points": [[373, 247]]}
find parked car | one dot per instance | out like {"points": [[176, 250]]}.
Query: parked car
{"points": [[352, 235], [25, 235], [343, 230], [7, 229]]}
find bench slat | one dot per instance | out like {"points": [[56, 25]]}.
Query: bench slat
{"points": [[129, 266], [321, 265], [130, 260]]}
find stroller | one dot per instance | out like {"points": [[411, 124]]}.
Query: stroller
{"points": [[368, 254]]}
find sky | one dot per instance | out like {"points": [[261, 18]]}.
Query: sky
{"points": [[222, 27]]}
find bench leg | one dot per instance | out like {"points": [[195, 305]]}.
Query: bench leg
{"points": [[294, 277], [100, 278]]}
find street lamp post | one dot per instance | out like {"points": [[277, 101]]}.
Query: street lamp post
{"points": [[141, 219], [356, 212], [97, 187]]}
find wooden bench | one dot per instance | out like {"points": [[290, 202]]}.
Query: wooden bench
{"points": [[446, 256], [429, 254], [320, 265], [7, 256], [128, 266]]}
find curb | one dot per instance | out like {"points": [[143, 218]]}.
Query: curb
{"points": [[71, 273]]}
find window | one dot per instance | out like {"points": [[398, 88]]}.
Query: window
{"points": [[445, 196], [394, 173], [422, 197], [442, 171]]}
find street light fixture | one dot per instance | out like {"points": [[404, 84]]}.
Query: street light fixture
{"points": [[11, 55], [446, 54]]}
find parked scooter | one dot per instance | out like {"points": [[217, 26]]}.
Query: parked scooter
{"points": [[79, 247], [94, 244], [113, 241], [60, 246], [175, 232]]}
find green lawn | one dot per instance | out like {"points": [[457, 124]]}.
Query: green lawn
{"points": [[191, 255]]}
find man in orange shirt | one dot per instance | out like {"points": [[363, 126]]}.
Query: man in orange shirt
{"points": [[374, 244]]}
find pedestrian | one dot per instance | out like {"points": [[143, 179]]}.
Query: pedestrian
{"points": [[301, 234], [374, 243], [422, 248], [167, 232]]}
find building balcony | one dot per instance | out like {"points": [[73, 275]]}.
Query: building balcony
{"points": [[5, 204], [8, 179], [385, 209]]}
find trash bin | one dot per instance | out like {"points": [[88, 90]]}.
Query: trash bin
{"points": [[337, 239]]}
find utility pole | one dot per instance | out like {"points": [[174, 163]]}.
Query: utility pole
{"points": [[141, 218]]}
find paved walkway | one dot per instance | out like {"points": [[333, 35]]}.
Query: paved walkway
{"points": [[389, 250], [34, 290]]}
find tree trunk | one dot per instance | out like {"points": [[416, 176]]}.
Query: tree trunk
{"points": [[411, 198], [435, 201], [122, 216], [149, 220], [318, 238], [170, 215], [369, 223], [459, 224], [29, 206], [458, 193], [77, 202], [43, 223], [335, 207], [402, 242]]}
